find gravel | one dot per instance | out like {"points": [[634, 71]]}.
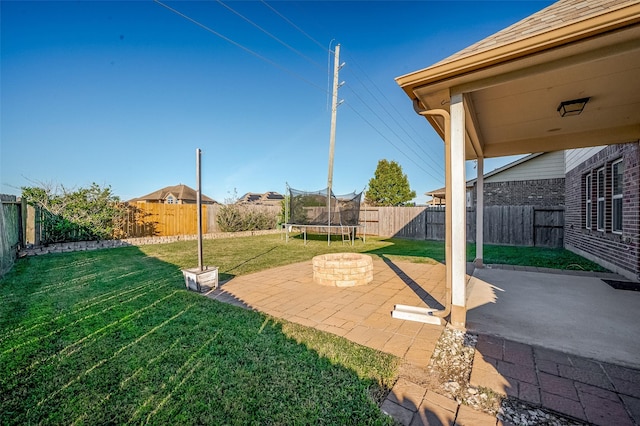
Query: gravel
{"points": [[449, 372]]}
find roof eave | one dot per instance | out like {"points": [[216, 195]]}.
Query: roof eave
{"points": [[579, 31]]}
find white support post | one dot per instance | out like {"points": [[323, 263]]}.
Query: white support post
{"points": [[332, 136], [447, 183], [480, 214], [457, 204]]}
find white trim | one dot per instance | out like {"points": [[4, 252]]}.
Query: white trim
{"points": [[588, 183], [615, 197], [601, 197], [458, 205], [480, 212]]}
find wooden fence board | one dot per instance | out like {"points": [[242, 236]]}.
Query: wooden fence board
{"points": [[369, 218], [404, 222], [549, 227]]}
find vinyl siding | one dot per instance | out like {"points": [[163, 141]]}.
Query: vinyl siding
{"points": [[575, 157], [549, 165]]}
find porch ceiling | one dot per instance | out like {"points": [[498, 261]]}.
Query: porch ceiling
{"points": [[511, 101]]}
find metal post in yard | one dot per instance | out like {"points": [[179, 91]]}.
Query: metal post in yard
{"points": [[199, 207]]}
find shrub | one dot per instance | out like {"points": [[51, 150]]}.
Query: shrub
{"points": [[236, 218], [92, 213]]}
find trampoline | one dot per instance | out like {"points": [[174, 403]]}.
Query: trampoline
{"points": [[316, 212]]}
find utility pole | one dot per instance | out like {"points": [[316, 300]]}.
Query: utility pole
{"points": [[332, 138]]}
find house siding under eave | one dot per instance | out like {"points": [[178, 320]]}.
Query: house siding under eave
{"points": [[538, 182]]}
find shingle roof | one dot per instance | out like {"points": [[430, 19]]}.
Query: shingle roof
{"points": [[274, 196], [181, 192], [267, 198], [557, 15]]}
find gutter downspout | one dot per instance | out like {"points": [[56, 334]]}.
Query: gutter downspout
{"points": [[448, 256]]}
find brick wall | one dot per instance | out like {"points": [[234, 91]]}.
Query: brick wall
{"points": [[618, 252], [539, 193]]}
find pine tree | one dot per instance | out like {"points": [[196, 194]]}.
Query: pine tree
{"points": [[389, 186]]}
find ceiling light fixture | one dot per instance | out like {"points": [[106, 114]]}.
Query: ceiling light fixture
{"points": [[573, 107]]}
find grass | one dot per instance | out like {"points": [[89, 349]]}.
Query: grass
{"points": [[555, 258], [112, 336], [237, 256]]}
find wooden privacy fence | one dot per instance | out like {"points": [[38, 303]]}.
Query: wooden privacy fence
{"points": [[143, 220], [148, 219], [506, 225]]}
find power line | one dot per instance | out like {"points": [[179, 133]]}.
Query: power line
{"points": [[438, 179], [297, 52], [285, 69], [382, 105], [383, 122], [293, 25], [246, 49], [355, 93]]}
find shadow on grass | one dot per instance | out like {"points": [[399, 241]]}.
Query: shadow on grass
{"points": [[432, 250], [227, 274], [127, 343]]}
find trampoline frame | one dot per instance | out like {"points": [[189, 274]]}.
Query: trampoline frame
{"points": [[303, 228]]}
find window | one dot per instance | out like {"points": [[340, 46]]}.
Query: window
{"points": [[171, 200], [600, 207], [587, 196], [617, 170]]}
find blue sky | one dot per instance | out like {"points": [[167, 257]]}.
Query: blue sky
{"points": [[122, 93]]}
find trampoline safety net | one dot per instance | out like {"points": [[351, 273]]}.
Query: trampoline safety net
{"points": [[310, 208]]}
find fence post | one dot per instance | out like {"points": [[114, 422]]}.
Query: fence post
{"points": [[23, 222]]}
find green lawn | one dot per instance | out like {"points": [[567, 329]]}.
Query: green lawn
{"points": [[112, 336], [237, 256]]}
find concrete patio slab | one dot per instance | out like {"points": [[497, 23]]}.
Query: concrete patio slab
{"points": [[572, 314]]}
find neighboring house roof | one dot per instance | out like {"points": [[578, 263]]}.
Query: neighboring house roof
{"points": [[180, 192], [249, 197], [270, 197]]}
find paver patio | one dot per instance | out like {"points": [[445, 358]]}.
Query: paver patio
{"points": [[361, 314]]}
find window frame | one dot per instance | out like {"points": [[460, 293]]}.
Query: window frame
{"points": [[615, 197], [588, 183], [601, 190], [170, 199]]}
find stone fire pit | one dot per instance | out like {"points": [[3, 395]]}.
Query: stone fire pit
{"points": [[342, 269]]}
